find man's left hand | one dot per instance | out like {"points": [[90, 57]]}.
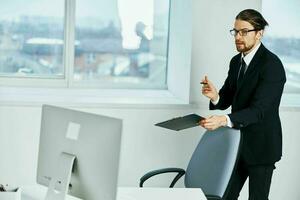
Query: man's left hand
{"points": [[214, 122]]}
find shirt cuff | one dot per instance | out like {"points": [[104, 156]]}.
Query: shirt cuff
{"points": [[216, 101], [229, 122]]}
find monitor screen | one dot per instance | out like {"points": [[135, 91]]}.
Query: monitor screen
{"points": [[93, 140]]}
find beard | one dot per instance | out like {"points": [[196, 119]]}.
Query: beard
{"points": [[242, 47]]}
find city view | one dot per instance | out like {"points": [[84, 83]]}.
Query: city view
{"points": [[33, 46]]}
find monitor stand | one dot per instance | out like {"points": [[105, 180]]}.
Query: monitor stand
{"points": [[61, 178]]}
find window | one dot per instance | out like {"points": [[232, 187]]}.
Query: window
{"points": [[108, 51], [116, 43], [283, 37]]}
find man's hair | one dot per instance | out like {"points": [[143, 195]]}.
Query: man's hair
{"points": [[253, 17]]}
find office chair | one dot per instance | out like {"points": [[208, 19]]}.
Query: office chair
{"points": [[211, 164]]}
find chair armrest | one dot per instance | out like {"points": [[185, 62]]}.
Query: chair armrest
{"points": [[180, 172]]}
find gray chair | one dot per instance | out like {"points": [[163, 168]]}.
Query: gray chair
{"points": [[211, 164]]}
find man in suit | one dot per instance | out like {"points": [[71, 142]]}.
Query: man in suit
{"points": [[253, 89]]}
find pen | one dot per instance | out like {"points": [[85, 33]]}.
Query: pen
{"points": [[203, 83]]}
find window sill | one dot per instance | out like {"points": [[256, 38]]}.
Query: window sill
{"points": [[86, 97]]}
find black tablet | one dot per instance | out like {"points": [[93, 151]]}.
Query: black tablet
{"points": [[180, 123]]}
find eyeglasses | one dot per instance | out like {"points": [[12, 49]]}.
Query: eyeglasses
{"points": [[242, 32]]}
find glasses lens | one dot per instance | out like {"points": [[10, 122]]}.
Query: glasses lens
{"points": [[233, 32], [244, 32]]}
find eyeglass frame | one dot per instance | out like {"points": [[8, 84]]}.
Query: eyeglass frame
{"points": [[241, 32]]}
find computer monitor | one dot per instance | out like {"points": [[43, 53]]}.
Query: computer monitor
{"points": [[78, 154]]}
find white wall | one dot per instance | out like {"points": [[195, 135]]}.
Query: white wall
{"points": [[144, 146]]}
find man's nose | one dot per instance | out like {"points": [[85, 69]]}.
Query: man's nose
{"points": [[237, 37]]}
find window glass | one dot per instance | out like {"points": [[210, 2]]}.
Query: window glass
{"points": [[283, 37], [122, 42], [31, 38]]}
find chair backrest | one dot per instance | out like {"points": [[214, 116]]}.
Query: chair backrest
{"points": [[213, 161]]}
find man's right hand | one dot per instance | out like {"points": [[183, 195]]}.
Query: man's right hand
{"points": [[209, 90]]}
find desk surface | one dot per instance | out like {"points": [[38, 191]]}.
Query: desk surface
{"points": [[129, 193], [125, 193]]}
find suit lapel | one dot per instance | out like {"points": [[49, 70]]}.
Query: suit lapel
{"points": [[253, 65]]}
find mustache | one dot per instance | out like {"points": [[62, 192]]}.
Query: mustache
{"points": [[239, 42]]}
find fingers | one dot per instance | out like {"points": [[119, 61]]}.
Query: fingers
{"points": [[210, 123], [206, 87], [210, 126], [206, 121], [206, 84], [201, 122], [205, 80], [206, 90]]}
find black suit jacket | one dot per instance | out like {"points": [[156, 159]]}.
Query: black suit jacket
{"points": [[254, 105]]}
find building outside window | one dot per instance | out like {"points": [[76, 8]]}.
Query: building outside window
{"points": [[31, 38]]}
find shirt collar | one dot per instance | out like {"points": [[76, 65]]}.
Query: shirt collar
{"points": [[250, 55]]}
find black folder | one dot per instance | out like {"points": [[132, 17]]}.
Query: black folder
{"points": [[180, 123]]}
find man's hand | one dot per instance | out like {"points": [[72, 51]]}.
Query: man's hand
{"points": [[209, 90], [213, 122]]}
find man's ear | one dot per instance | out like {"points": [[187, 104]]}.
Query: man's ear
{"points": [[259, 34]]}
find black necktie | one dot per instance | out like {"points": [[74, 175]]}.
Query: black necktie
{"points": [[242, 71]]}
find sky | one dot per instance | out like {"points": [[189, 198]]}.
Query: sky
{"points": [[283, 17], [11, 8], [103, 8], [124, 13]]}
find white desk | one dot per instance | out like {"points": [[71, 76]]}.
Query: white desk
{"points": [[160, 194], [130, 193]]}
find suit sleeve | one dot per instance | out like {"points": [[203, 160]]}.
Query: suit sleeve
{"points": [[266, 96], [226, 93]]}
